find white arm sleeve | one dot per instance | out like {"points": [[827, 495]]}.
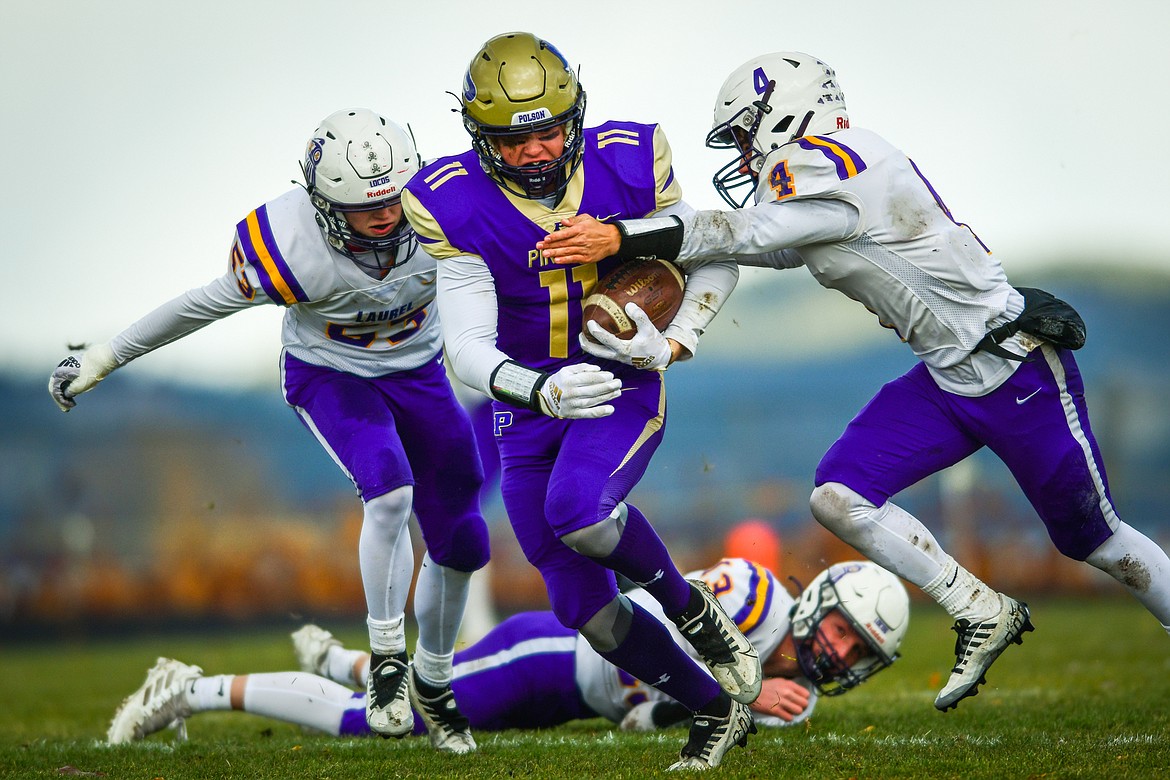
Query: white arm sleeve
{"points": [[178, 317], [467, 306], [765, 229], [707, 288]]}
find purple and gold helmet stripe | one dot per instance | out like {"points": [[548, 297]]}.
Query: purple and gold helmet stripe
{"points": [[847, 161], [757, 605], [263, 254]]}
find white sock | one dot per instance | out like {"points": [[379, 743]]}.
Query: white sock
{"points": [[440, 596], [296, 697], [211, 693], [387, 637], [433, 668], [386, 559], [1138, 563], [962, 594], [341, 665]]}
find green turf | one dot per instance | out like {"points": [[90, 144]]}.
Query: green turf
{"points": [[1087, 695]]}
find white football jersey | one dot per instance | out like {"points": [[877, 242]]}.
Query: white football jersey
{"points": [[926, 276], [336, 315], [748, 592]]}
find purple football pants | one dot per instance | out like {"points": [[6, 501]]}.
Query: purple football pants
{"points": [[1037, 423], [558, 476], [404, 428]]}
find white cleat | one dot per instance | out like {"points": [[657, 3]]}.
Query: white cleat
{"points": [[977, 647], [712, 737], [733, 661], [387, 700], [161, 701], [311, 644], [448, 730]]}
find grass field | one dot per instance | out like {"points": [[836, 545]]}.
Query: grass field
{"points": [[1086, 695]]}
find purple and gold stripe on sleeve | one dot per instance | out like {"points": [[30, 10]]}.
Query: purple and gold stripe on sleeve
{"points": [[761, 588], [263, 254], [847, 161]]}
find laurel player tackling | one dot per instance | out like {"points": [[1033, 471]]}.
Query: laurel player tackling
{"points": [[996, 367], [362, 368]]}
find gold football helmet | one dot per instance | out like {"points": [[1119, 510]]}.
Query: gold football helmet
{"points": [[519, 84]]}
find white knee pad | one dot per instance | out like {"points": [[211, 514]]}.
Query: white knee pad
{"points": [[839, 509]]}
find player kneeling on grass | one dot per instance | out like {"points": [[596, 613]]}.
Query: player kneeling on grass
{"points": [[531, 672]]}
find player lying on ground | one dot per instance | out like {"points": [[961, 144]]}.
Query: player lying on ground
{"points": [[532, 672]]}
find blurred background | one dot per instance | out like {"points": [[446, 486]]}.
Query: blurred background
{"points": [[183, 491]]}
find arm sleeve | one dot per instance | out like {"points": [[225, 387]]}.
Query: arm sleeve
{"points": [[179, 317], [764, 230], [707, 288], [467, 307]]}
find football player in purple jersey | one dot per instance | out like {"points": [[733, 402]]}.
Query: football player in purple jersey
{"points": [[575, 434], [362, 368], [531, 672], [997, 367]]}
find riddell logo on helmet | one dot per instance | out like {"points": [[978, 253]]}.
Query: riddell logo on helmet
{"points": [[842, 123], [381, 193]]}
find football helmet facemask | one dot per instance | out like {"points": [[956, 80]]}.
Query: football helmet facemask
{"points": [[874, 602], [360, 161], [765, 103], [518, 84]]}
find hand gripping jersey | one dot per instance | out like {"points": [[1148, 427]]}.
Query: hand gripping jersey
{"points": [[337, 316], [748, 592], [924, 275], [625, 173]]}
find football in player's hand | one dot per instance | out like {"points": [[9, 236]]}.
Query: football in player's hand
{"points": [[655, 285]]}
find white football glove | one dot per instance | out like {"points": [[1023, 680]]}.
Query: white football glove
{"points": [[647, 349], [579, 392], [80, 372]]}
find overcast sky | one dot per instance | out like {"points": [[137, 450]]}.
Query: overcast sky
{"points": [[137, 132]]}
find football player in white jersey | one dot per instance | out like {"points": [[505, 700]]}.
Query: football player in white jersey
{"points": [[996, 363], [532, 672], [362, 367]]}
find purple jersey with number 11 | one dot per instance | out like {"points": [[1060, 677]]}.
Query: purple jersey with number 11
{"points": [[619, 179]]}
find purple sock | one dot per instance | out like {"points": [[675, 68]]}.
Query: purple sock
{"points": [[641, 557], [650, 654]]}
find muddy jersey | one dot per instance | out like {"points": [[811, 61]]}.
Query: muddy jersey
{"points": [[923, 274], [625, 173]]}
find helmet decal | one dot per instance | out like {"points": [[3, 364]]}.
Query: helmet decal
{"points": [[313, 153], [469, 89], [557, 52], [760, 80]]}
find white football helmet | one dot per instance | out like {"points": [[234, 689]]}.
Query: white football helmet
{"points": [[765, 103], [360, 161], [877, 606]]}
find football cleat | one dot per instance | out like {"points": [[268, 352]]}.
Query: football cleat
{"points": [[711, 737], [977, 647], [448, 730], [733, 661], [311, 644], [387, 701], [161, 701]]}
